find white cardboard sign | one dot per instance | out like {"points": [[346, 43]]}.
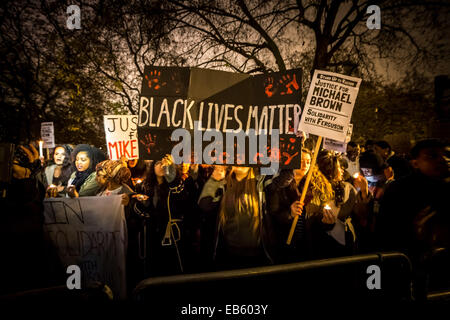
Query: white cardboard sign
{"points": [[329, 105]]}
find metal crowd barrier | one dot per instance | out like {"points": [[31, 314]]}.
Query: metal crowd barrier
{"points": [[342, 278]]}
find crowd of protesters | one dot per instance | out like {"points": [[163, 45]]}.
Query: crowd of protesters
{"points": [[198, 218]]}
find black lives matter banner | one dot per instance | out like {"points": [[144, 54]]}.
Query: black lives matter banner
{"points": [[329, 105], [201, 100]]}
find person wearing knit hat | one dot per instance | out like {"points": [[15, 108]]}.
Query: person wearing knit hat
{"points": [[112, 175]]}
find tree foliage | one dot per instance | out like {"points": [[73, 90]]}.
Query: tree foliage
{"points": [[73, 77]]}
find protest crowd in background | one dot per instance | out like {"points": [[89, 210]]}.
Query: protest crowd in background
{"points": [[224, 217]]}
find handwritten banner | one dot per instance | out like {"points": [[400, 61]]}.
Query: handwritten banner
{"points": [[329, 104], [208, 100], [90, 232], [121, 136]]}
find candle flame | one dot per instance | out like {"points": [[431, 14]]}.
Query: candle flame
{"points": [[327, 207], [356, 175], [52, 186], [138, 181]]}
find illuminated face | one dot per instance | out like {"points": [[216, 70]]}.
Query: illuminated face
{"points": [[371, 177], [101, 177], [242, 171], [159, 170], [306, 163], [82, 161], [59, 155], [185, 168]]}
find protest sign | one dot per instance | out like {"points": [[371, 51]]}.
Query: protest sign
{"points": [[333, 145], [121, 136], [48, 134], [329, 104], [90, 232], [201, 101]]}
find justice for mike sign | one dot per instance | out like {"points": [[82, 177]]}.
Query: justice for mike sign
{"points": [[329, 105]]}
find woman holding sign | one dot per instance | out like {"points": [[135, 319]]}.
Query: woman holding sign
{"points": [[283, 205]]}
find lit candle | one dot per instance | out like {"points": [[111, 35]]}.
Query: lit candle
{"points": [[41, 153], [52, 186], [138, 181], [327, 207], [356, 175]]}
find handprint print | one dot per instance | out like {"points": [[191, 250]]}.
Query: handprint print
{"points": [[149, 142], [154, 80], [269, 88], [290, 83], [288, 150]]}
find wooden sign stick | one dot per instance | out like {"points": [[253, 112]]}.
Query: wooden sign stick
{"points": [[305, 188]]}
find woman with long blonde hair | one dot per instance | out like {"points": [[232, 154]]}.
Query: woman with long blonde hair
{"points": [[242, 230], [283, 204]]}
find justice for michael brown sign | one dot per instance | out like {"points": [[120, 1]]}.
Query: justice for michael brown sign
{"points": [[329, 105], [121, 136], [209, 103]]}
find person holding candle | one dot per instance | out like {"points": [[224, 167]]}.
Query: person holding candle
{"points": [[283, 205], [55, 176], [83, 180], [343, 212]]}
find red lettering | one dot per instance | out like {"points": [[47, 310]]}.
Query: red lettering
{"points": [[110, 145], [120, 149], [125, 151], [133, 155]]}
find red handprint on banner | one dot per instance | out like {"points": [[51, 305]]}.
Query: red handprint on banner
{"points": [[269, 88], [149, 142], [292, 83], [288, 149], [154, 80], [289, 157]]}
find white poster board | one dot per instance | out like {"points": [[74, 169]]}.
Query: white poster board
{"points": [[329, 105], [90, 232], [48, 134], [333, 145], [121, 136]]}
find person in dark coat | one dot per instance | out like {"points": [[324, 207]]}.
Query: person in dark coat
{"points": [[165, 202], [413, 214]]}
